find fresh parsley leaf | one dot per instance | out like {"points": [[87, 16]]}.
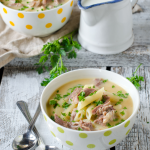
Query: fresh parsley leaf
{"points": [[58, 97], [64, 114], [109, 125], [135, 79], [92, 93], [118, 103], [120, 94], [115, 119], [69, 114], [66, 95], [54, 103], [122, 113], [81, 96], [94, 86], [52, 117], [98, 102], [80, 129], [105, 80], [113, 86], [53, 52], [121, 100], [125, 108], [77, 111], [65, 105]]}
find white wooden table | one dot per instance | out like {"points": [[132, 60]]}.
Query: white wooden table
{"points": [[20, 81]]}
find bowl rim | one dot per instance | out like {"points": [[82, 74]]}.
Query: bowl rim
{"points": [[36, 12], [98, 131]]}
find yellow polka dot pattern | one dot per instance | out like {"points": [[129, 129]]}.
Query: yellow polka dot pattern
{"points": [[41, 16], [45, 118], [60, 130], [107, 133], [128, 132], [112, 141], [11, 23], [83, 135], [53, 134], [5, 11], [71, 3], [91, 146], [127, 124], [63, 20], [60, 11], [20, 15], [69, 143], [48, 25], [29, 27]]}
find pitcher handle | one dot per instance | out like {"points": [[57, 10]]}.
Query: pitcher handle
{"points": [[133, 2]]}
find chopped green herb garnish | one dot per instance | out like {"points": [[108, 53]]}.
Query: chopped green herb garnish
{"points": [[98, 102], [53, 112], [122, 113], [109, 125], [64, 114], [118, 103], [77, 111], [105, 80], [54, 102], [113, 86], [135, 79], [27, 2], [94, 86], [24, 7], [72, 121], [115, 119], [32, 8], [89, 87], [125, 108], [92, 93], [69, 114], [66, 95], [147, 122], [77, 86], [120, 94], [18, 1], [82, 116], [115, 111], [65, 105], [52, 117], [42, 9], [81, 96], [57, 91], [121, 100], [122, 120], [83, 110], [57, 97], [47, 8], [80, 129]]}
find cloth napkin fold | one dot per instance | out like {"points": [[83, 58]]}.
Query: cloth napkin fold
{"points": [[14, 44]]}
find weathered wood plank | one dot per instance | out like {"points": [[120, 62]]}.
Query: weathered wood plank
{"points": [[21, 85], [138, 139]]}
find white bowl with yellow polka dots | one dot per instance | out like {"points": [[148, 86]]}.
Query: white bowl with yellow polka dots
{"points": [[86, 140], [37, 23]]}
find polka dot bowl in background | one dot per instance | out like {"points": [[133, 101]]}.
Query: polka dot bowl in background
{"points": [[37, 23], [86, 140]]}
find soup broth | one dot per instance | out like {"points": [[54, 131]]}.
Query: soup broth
{"points": [[89, 104], [33, 5]]}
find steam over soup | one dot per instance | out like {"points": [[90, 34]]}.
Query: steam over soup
{"points": [[33, 5], [89, 104]]}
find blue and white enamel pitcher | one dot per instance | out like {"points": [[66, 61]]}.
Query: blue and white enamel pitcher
{"points": [[106, 25]]}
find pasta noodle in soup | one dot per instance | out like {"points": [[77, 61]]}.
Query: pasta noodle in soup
{"points": [[89, 105]]}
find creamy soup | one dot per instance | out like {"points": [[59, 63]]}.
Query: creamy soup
{"points": [[33, 5], [91, 2], [89, 105]]}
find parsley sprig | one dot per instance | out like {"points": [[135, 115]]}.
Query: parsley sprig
{"points": [[135, 79], [53, 53]]}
